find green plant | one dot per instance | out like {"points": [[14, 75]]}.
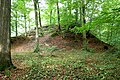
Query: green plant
{"points": [[7, 73], [92, 50], [37, 48]]}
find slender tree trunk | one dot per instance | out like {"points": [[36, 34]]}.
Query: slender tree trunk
{"points": [[36, 23], [40, 22], [76, 15], [39, 16], [58, 13], [29, 26], [25, 25], [5, 49], [80, 16], [83, 21], [69, 12], [16, 25], [50, 17]]}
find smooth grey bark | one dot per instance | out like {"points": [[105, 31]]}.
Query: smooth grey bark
{"points": [[5, 47], [16, 24], [36, 23], [83, 22]]}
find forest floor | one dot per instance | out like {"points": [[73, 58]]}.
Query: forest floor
{"points": [[62, 58]]}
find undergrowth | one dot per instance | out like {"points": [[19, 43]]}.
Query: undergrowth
{"points": [[71, 65]]}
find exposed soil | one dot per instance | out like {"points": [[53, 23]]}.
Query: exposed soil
{"points": [[22, 44]]}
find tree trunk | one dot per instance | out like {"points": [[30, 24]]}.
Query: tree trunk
{"points": [[58, 13], [69, 2], [40, 19], [16, 25], [76, 15], [25, 25], [50, 17], [39, 16], [5, 53], [36, 23], [80, 16], [29, 26], [83, 21]]}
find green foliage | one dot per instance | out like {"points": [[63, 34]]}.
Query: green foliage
{"points": [[37, 48], [92, 50], [106, 26], [7, 73], [73, 64], [51, 49], [20, 10], [82, 29], [41, 34]]}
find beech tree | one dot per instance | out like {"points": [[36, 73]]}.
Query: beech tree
{"points": [[5, 53], [58, 13], [36, 23], [83, 21]]}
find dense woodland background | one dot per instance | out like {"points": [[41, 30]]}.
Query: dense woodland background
{"points": [[60, 39], [99, 17]]}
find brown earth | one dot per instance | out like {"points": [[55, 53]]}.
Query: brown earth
{"points": [[22, 44]]}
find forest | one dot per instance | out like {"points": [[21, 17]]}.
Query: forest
{"points": [[59, 39]]}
